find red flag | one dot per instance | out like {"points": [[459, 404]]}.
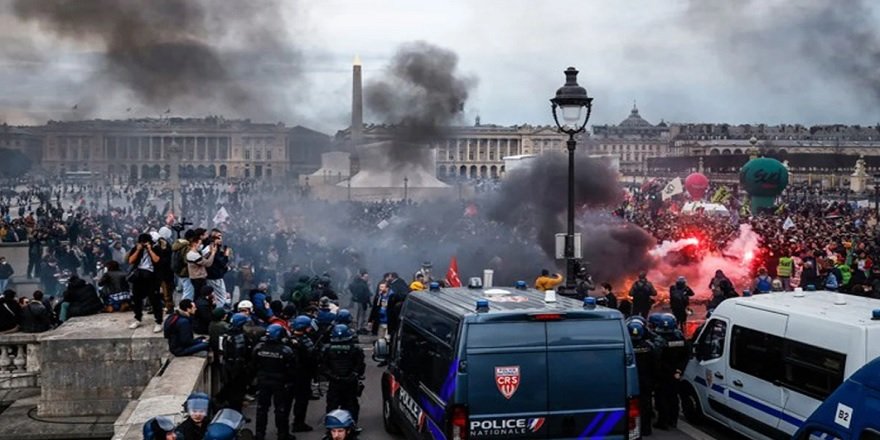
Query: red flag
{"points": [[452, 279]]}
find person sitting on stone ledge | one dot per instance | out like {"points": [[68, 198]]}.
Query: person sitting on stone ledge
{"points": [[10, 312], [80, 299], [178, 329], [35, 317]]}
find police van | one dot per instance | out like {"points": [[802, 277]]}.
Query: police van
{"points": [[763, 364], [850, 413], [505, 363]]}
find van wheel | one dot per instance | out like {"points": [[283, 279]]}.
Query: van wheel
{"points": [[690, 405], [388, 418]]}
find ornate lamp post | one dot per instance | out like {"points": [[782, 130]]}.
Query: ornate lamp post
{"points": [[405, 189], [575, 107], [174, 176]]}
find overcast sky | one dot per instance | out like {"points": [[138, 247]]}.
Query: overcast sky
{"points": [[736, 62]]}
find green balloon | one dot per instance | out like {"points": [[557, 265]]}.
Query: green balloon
{"points": [[759, 203], [763, 177]]}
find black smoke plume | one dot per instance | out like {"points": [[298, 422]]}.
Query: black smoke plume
{"points": [[785, 43], [535, 199], [421, 94], [189, 55]]}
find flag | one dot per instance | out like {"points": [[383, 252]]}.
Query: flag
{"points": [[471, 210], [383, 224], [789, 223], [721, 195], [167, 111], [452, 279], [221, 216], [674, 187]]}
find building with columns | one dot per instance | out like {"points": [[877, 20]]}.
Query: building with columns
{"points": [[633, 141], [477, 151], [139, 148]]}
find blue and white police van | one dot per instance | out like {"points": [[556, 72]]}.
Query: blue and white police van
{"points": [[852, 412], [763, 364], [503, 363]]}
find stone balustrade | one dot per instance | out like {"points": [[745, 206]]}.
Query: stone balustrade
{"points": [[19, 360]]}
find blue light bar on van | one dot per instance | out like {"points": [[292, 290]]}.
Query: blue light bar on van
{"points": [[589, 302], [434, 286], [875, 315], [482, 305], [521, 285]]}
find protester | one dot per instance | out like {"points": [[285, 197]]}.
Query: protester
{"points": [[35, 317], [360, 300], [10, 312], [178, 329], [80, 299], [6, 272], [143, 281]]}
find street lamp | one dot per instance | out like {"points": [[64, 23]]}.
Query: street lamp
{"points": [[405, 189], [575, 106]]}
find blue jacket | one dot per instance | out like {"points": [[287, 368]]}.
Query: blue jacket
{"points": [[179, 332]]}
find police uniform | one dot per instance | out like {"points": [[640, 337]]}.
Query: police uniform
{"points": [[647, 354], [274, 362], [343, 364], [673, 360], [236, 355], [302, 378]]}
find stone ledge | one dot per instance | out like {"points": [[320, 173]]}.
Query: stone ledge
{"points": [[164, 395]]}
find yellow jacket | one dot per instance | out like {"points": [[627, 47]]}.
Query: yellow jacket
{"points": [[416, 285], [547, 283]]}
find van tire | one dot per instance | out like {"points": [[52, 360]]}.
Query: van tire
{"points": [[690, 405], [388, 419]]}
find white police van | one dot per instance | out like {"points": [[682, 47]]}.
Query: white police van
{"points": [[763, 364]]}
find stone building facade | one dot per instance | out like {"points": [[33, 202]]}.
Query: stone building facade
{"points": [[633, 142], [139, 148], [24, 140]]}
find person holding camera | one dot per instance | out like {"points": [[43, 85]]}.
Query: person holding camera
{"points": [[197, 263], [143, 281], [217, 270]]}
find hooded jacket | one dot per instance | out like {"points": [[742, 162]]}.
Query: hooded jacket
{"points": [[82, 297]]}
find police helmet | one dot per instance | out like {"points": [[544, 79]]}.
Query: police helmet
{"points": [[638, 318], [302, 322], [663, 322], [343, 316], [156, 425], [219, 432], [340, 333], [338, 418], [521, 285], [275, 332], [636, 330], [239, 320], [197, 402]]}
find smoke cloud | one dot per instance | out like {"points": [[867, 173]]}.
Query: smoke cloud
{"points": [[421, 95], [189, 55], [533, 201], [785, 44]]}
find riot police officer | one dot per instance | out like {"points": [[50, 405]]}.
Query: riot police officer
{"points": [[273, 362], [647, 360], [340, 425], [305, 370], [343, 364], [197, 408], [161, 428], [236, 356], [673, 360], [343, 316]]}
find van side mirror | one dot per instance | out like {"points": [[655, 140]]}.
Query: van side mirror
{"points": [[380, 350]]}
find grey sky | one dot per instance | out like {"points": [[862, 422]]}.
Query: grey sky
{"points": [[712, 61]]}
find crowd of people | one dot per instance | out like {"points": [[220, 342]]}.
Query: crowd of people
{"points": [[269, 270]]}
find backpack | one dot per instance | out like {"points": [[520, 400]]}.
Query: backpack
{"points": [[764, 284], [178, 262], [168, 326]]}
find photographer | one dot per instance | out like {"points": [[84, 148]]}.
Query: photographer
{"points": [[218, 269], [197, 263], [143, 281]]}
